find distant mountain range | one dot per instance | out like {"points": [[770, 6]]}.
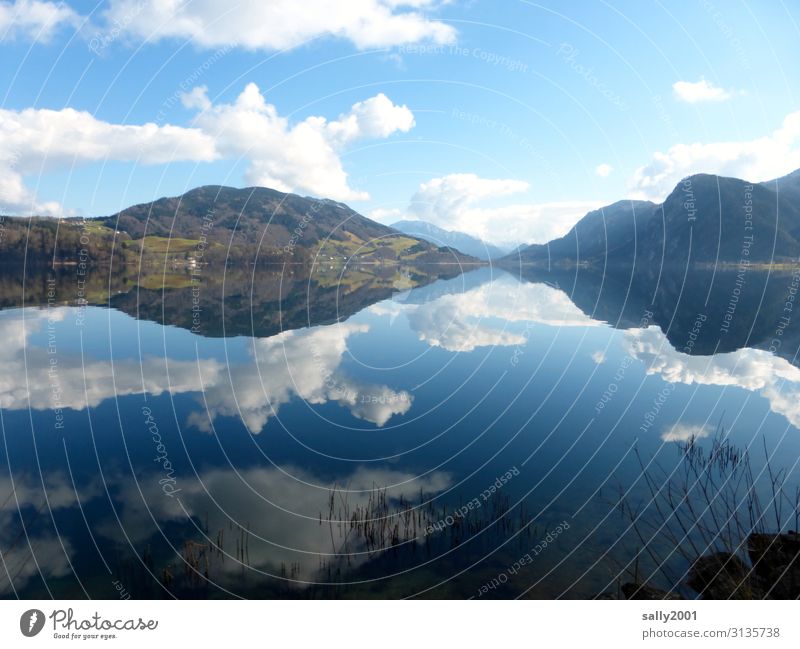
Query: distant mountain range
{"points": [[292, 227], [711, 220], [466, 243], [707, 221], [221, 224]]}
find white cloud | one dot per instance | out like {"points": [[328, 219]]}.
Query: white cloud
{"points": [[458, 202], [296, 364], [699, 91], [387, 215], [281, 506], [755, 370], [281, 24], [599, 357], [756, 160], [35, 141], [81, 383], [686, 432], [603, 170], [15, 198], [480, 317], [46, 139], [444, 324], [441, 197], [531, 222], [196, 98], [302, 363], [302, 157], [377, 117], [34, 19], [42, 552]]}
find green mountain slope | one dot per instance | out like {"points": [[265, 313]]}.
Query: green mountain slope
{"points": [[216, 224]]}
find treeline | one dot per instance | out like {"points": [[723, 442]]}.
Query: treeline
{"points": [[46, 241], [49, 242]]}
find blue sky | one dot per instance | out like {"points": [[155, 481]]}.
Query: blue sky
{"points": [[503, 118]]}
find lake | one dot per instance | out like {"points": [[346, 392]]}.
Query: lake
{"points": [[370, 432]]}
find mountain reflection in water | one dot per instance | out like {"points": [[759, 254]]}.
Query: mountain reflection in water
{"points": [[285, 433]]}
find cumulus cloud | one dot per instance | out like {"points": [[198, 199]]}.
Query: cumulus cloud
{"points": [[450, 194], [281, 24], [755, 370], [479, 317], [297, 364], [36, 141], [603, 170], [301, 157], [461, 201], [377, 117], [295, 157], [599, 357], [756, 160], [686, 432], [699, 91], [301, 363], [16, 198], [45, 139], [42, 551], [387, 215], [281, 505], [79, 383], [34, 19], [457, 331], [41, 554]]}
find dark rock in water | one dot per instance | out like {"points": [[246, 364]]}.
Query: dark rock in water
{"points": [[774, 574], [776, 563], [608, 595], [643, 591], [723, 576]]}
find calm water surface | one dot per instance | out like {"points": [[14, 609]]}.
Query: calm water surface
{"points": [[461, 437]]}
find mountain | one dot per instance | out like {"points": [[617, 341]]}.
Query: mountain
{"points": [[223, 225], [254, 214], [706, 219], [516, 250], [788, 186], [465, 243], [695, 308], [258, 220], [611, 230]]}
